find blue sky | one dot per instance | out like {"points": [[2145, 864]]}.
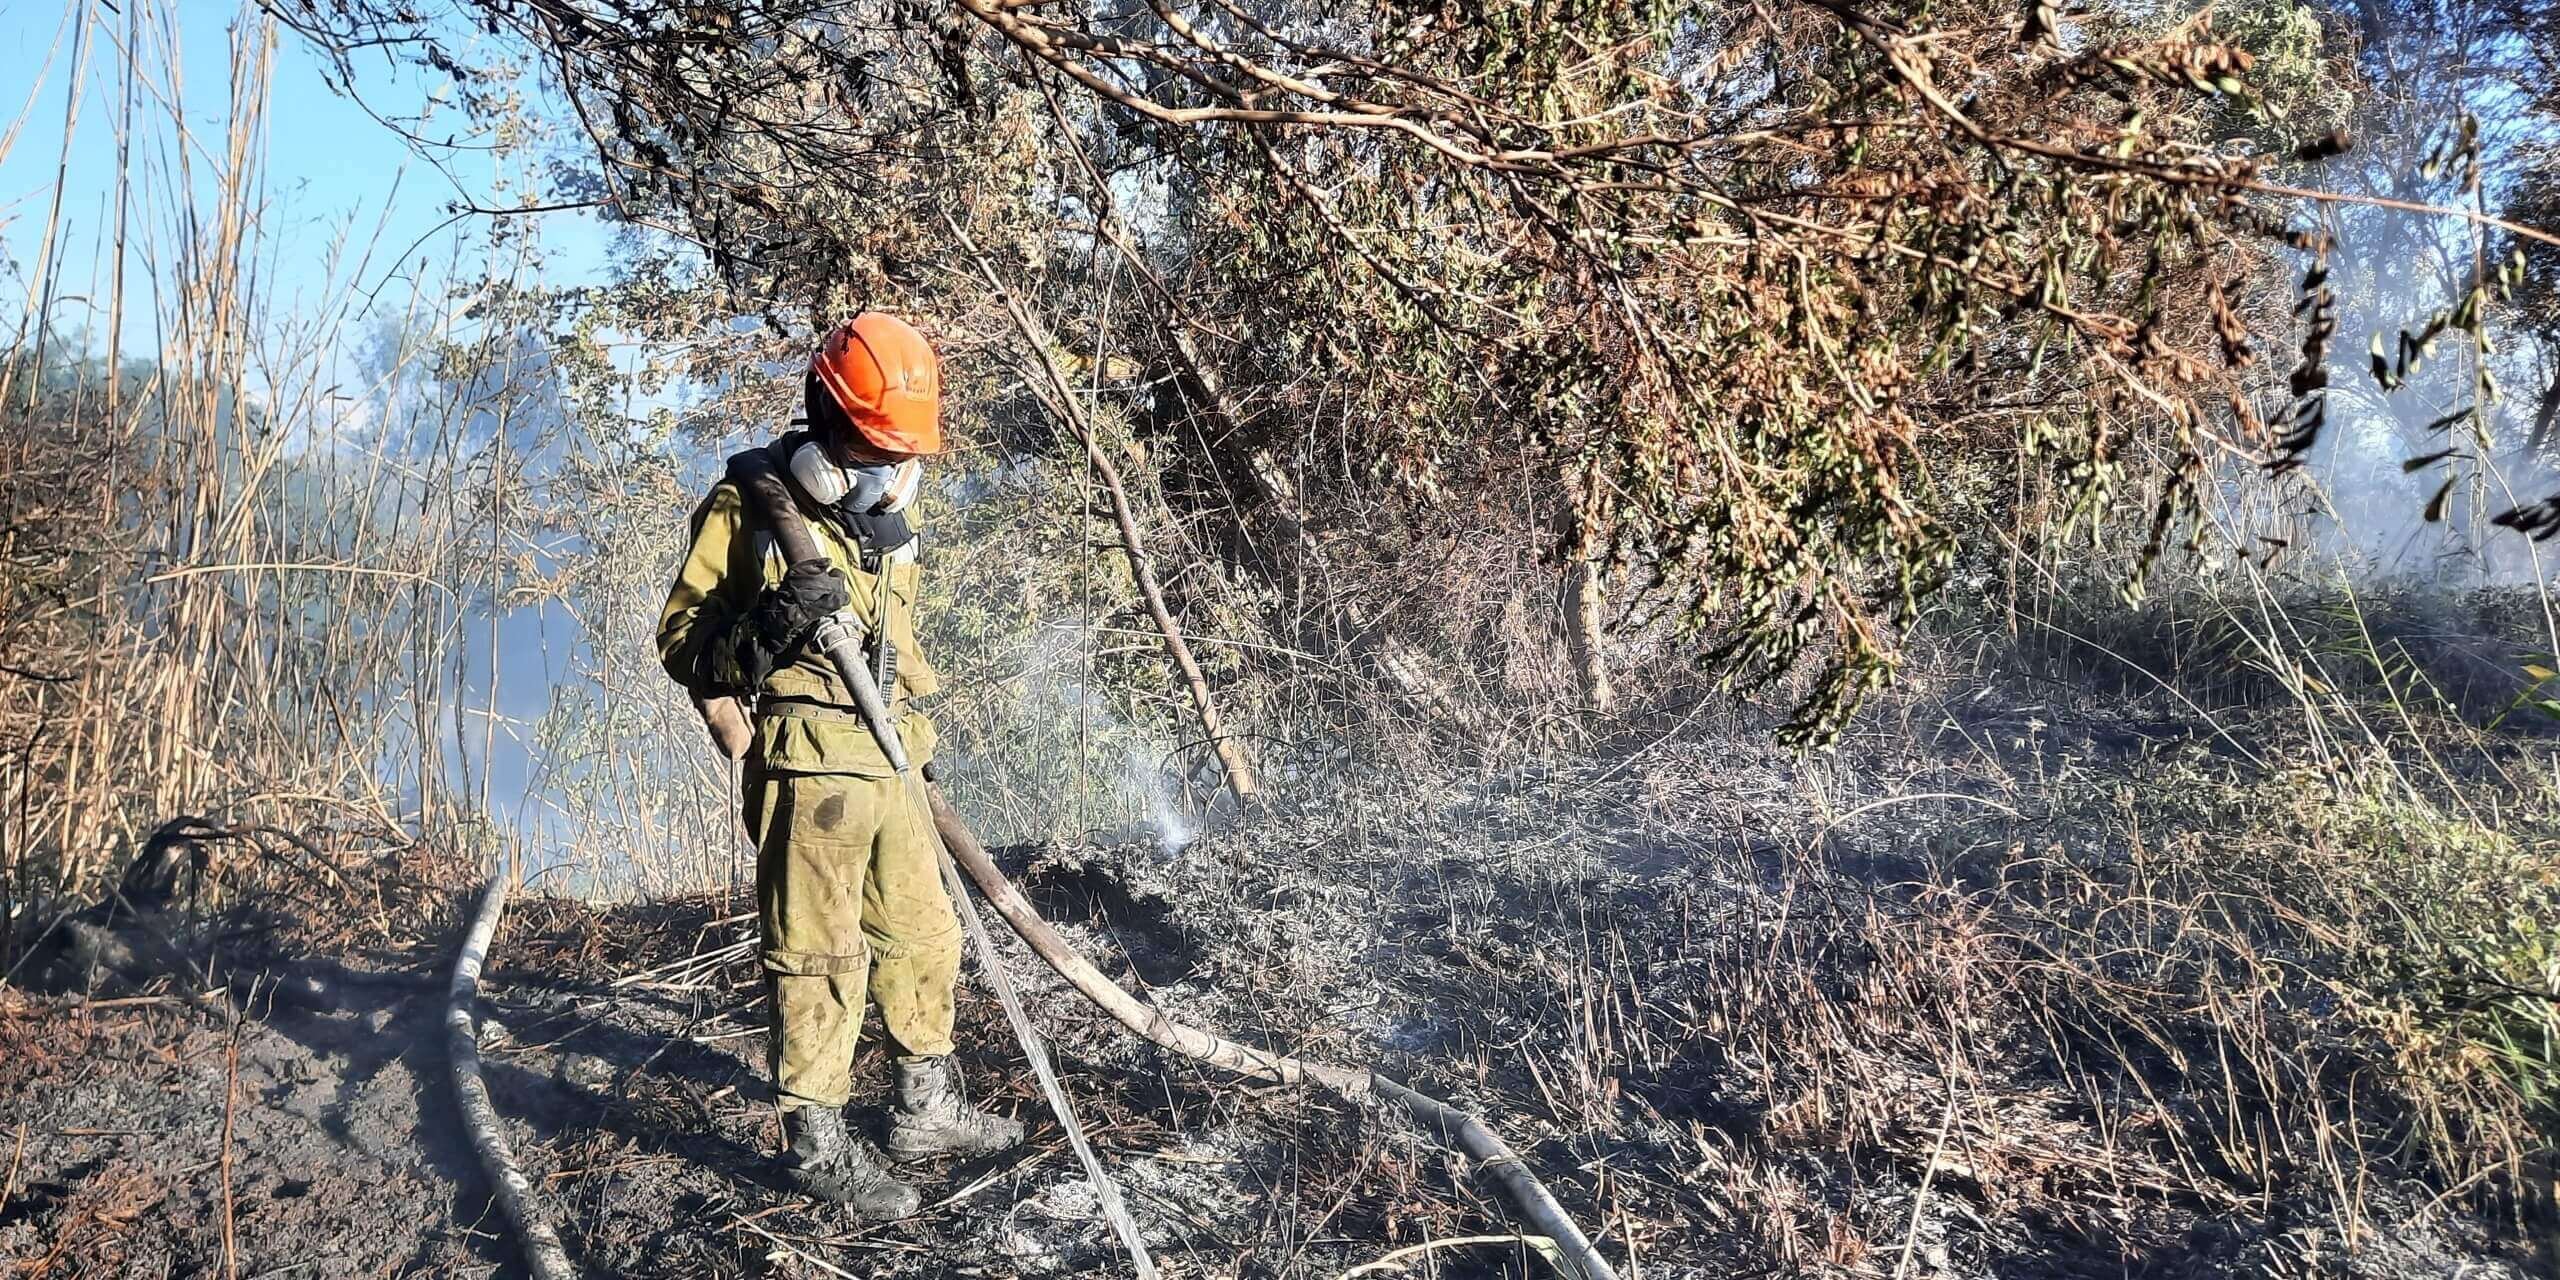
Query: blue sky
{"points": [[337, 179]]}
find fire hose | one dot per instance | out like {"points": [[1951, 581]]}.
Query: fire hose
{"points": [[1536, 1205], [768, 495]]}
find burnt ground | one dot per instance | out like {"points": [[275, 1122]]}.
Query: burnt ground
{"points": [[1730, 1032]]}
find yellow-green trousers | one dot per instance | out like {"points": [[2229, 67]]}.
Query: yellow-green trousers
{"points": [[849, 893]]}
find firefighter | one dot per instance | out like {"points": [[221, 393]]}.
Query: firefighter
{"points": [[848, 890]]}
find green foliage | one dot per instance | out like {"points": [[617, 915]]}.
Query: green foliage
{"points": [[2266, 935], [2302, 86], [1733, 299], [2460, 948]]}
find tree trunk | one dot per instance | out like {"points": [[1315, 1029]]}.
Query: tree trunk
{"points": [[1584, 629], [1241, 779]]}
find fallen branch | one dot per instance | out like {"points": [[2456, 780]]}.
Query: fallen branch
{"points": [[783, 1250], [1536, 1205], [543, 1256], [692, 970]]}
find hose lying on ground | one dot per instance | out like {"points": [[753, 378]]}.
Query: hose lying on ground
{"points": [[543, 1256], [548, 1261], [1536, 1205]]}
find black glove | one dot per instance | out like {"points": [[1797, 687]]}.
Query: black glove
{"points": [[782, 617]]}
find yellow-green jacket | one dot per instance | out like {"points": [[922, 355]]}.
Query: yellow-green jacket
{"points": [[731, 562]]}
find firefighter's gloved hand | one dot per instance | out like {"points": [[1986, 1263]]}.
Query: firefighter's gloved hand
{"points": [[810, 590], [783, 615]]}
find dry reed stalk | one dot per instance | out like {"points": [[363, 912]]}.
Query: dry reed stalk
{"points": [[230, 1101], [17, 1155], [229, 639]]}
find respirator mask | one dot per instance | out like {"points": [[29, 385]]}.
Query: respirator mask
{"points": [[866, 501]]}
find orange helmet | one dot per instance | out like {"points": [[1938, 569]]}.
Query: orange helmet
{"points": [[882, 373]]}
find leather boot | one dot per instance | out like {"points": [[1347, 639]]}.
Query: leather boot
{"points": [[933, 1119], [830, 1164]]}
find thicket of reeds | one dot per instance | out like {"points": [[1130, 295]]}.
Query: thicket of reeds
{"points": [[269, 559]]}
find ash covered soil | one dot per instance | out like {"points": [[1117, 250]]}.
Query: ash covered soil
{"points": [[1710, 992]]}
